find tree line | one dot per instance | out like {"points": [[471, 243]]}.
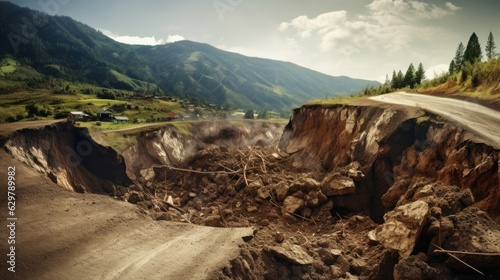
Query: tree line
{"points": [[466, 56], [410, 79]]}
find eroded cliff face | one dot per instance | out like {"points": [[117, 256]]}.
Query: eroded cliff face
{"points": [[174, 146], [393, 146], [70, 158]]}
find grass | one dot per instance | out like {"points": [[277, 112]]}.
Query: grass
{"points": [[479, 80], [334, 100]]}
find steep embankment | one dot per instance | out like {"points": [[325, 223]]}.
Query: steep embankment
{"points": [[70, 158], [394, 145]]}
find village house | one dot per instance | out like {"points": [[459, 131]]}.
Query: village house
{"points": [[79, 116], [105, 115]]}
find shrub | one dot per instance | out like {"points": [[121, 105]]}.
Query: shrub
{"points": [[42, 110]]}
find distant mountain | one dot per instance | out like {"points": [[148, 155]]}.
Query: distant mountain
{"points": [[62, 47]]}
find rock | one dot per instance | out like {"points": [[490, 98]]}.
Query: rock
{"points": [[392, 196], [310, 184], [402, 227], [170, 200], [349, 276], [343, 263], [315, 198], [280, 190], [279, 237], [291, 204], [227, 213], [356, 175], [467, 198], [384, 269], [253, 187], [414, 268], [336, 272], [336, 184], [252, 209], [264, 192], [324, 243], [359, 266], [263, 223], [326, 256], [148, 174], [292, 253], [474, 231], [336, 252], [372, 237], [134, 197], [192, 195], [213, 221]]}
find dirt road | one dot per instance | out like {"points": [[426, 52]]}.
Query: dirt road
{"points": [[64, 235], [476, 118]]}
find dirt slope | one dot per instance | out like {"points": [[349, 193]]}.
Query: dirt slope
{"points": [[62, 234]]}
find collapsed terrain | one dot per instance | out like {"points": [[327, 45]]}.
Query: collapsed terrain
{"points": [[367, 190]]}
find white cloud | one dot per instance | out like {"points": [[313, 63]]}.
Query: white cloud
{"points": [[388, 25], [174, 38], [136, 40]]}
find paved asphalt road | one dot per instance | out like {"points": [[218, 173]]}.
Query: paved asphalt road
{"points": [[483, 121]]}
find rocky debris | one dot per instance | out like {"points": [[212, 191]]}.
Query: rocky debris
{"points": [[336, 184], [402, 227], [303, 230], [291, 252]]}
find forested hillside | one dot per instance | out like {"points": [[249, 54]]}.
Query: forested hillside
{"points": [[60, 47]]}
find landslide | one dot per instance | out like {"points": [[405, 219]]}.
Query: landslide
{"points": [[342, 191], [392, 144], [69, 157]]}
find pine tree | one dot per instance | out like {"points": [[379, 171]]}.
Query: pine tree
{"points": [[420, 74], [400, 80], [394, 80], [473, 52], [409, 79], [452, 69], [459, 57], [490, 47]]}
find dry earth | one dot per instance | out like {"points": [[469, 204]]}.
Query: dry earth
{"points": [[65, 235]]}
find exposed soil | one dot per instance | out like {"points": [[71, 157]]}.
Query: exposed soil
{"points": [[61, 234], [340, 192]]}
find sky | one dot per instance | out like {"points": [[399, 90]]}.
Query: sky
{"points": [[366, 39]]}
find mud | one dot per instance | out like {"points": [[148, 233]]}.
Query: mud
{"points": [[319, 192]]}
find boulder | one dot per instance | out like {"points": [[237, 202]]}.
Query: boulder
{"points": [[291, 204], [474, 231], [291, 252], [336, 184], [402, 227], [414, 268]]}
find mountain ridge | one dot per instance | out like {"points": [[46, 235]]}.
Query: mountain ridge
{"points": [[64, 48]]}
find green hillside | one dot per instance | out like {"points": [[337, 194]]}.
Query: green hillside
{"points": [[62, 48]]}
